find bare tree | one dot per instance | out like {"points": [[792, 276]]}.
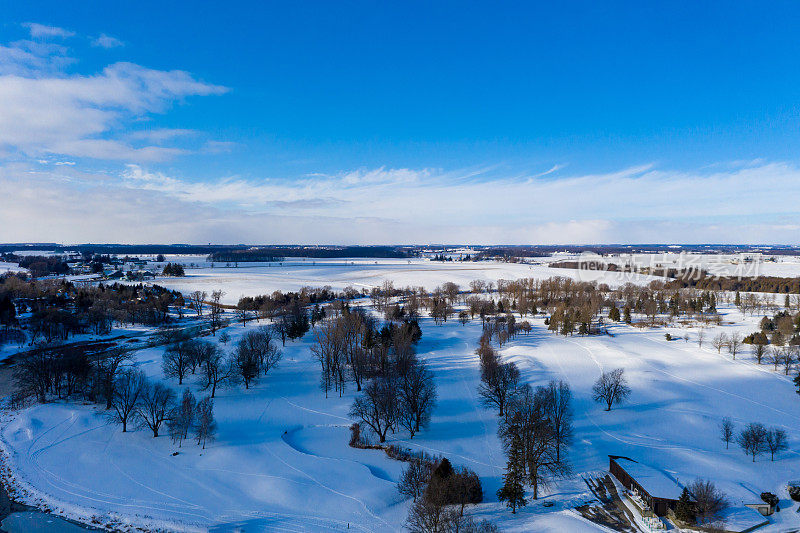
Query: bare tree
{"points": [[787, 359], [709, 501], [377, 406], [205, 428], [216, 310], [417, 397], [701, 337], [427, 516], [726, 431], [155, 405], [196, 300], [775, 356], [255, 353], [498, 383], [753, 439], [414, 479], [127, 395], [558, 409], [776, 442], [759, 350], [107, 366], [182, 417], [734, 343], [720, 341], [216, 369], [243, 314], [611, 387], [177, 360]]}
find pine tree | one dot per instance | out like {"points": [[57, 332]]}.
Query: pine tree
{"points": [[513, 491], [684, 510], [737, 300]]}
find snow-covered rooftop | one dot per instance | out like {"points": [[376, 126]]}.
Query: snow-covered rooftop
{"points": [[655, 482], [741, 518]]}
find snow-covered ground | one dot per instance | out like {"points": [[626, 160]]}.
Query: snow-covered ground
{"points": [[282, 462], [263, 278]]}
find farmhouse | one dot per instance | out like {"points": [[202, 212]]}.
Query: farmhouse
{"points": [[650, 490]]}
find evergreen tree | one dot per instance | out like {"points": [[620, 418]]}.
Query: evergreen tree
{"points": [[513, 491], [627, 315], [684, 510]]}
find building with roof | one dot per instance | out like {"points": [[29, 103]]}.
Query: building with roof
{"points": [[650, 489]]}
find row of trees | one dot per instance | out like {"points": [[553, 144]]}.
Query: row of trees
{"points": [[535, 427], [754, 438], [152, 405]]}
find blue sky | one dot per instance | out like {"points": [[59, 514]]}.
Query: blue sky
{"points": [[365, 122]]}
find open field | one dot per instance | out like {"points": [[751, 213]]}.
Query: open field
{"points": [[263, 278]]}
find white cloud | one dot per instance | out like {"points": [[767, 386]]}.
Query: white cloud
{"points": [[404, 206], [107, 41], [45, 111], [43, 31]]}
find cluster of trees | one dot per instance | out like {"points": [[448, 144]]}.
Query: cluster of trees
{"points": [[744, 284], [403, 396], [535, 427], [352, 346], [173, 269], [782, 328], [503, 328], [754, 438], [440, 494], [267, 306], [46, 311], [536, 434], [41, 265], [252, 357], [152, 405]]}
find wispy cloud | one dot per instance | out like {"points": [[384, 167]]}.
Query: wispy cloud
{"points": [[38, 31], [639, 204], [107, 41]]}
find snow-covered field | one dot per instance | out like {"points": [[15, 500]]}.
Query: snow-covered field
{"points": [[282, 462], [263, 278]]}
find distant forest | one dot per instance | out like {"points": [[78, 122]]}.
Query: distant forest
{"points": [[759, 284], [278, 253]]}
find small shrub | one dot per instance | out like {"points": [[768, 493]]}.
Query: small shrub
{"points": [[794, 492], [768, 497]]}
